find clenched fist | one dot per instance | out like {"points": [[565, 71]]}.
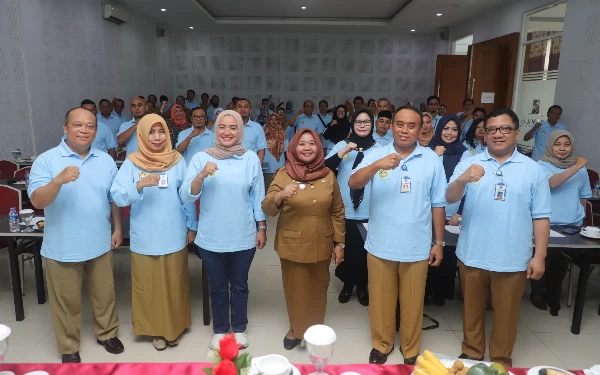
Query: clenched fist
{"points": [[474, 173], [288, 191], [581, 162], [392, 161], [440, 150], [208, 169], [69, 174], [149, 181]]}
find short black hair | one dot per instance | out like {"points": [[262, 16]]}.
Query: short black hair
{"points": [[358, 98], [433, 97], [193, 92], [411, 108], [151, 95], [149, 102], [87, 102], [555, 106], [198, 109], [243, 99], [443, 105], [324, 101], [480, 109], [368, 112], [164, 97], [385, 114], [386, 99], [103, 100], [306, 101], [203, 95], [122, 102], [503, 111], [468, 100], [180, 96], [68, 114], [141, 97], [263, 99]]}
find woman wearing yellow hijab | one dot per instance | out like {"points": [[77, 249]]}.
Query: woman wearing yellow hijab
{"points": [[160, 228]]}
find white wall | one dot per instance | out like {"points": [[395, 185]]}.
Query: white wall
{"points": [[297, 67], [579, 77], [15, 122], [71, 53], [497, 22]]}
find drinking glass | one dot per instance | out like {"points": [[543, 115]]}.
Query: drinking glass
{"points": [[27, 216], [4, 333], [320, 342]]}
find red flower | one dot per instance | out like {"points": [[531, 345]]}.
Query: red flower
{"points": [[225, 367], [229, 348]]}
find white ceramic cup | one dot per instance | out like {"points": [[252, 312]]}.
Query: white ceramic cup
{"points": [[591, 231], [274, 364]]}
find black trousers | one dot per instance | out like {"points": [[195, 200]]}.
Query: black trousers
{"points": [[353, 270], [441, 279], [549, 286]]}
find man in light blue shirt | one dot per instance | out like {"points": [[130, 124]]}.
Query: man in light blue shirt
{"points": [[542, 130], [118, 106], [254, 135], [197, 138], [128, 130], [383, 134], [106, 116], [71, 182], [210, 111], [507, 202], [308, 120], [190, 103], [325, 118], [104, 140], [433, 106], [407, 197]]}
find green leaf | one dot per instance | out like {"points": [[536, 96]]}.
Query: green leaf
{"points": [[207, 371], [216, 358], [243, 361]]}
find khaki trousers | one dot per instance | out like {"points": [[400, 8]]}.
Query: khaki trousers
{"points": [[64, 281], [506, 290], [388, 281]]}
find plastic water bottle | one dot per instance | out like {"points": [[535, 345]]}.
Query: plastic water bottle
{"points": [[596, 192], [26, 179], [13, 220]]}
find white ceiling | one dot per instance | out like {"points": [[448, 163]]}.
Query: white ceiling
{"points": [[277, 16]]}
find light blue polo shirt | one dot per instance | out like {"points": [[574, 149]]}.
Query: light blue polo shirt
{"points": [[344, 172], [105, 139], [113, 122], [327, 144], [254, 137], [541, 137], [311, 122], [191, 105], [400, 227], [78, 221], [463, 133], [568, 209], [497, 235], [385, 140], [210, 112], [230, 201], [472, 151], [435, 121], [121, 118], [271, 163], [159, 220], [132, 142], [197, 144]]}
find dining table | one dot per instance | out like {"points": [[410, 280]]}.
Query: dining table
{"points": [[30, 242], [583, 247]]}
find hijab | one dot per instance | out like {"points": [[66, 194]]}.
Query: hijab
{"points": [[220, 152], [297, 169], [147, 159], [453, 151], [179, 123], [425, 138], [363, 144], [338, 132], [549, 155], [275, 137]]}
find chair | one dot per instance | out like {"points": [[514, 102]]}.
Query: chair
{"points": [[20, 173], [593, 176], [121, 155], [7, 169]]}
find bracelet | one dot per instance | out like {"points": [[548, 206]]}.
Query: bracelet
{"points": [[262, 227], [137, 186]]}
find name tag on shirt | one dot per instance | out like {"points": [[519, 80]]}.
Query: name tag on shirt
{"points": [[163, 182], [500, 192], [405, 188]]}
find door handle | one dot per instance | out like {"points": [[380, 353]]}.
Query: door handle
{"points": [[439, 88]]}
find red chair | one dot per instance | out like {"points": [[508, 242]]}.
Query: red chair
{"points": [[9, 197], [593, 175], [20, 173], [7, 169]]}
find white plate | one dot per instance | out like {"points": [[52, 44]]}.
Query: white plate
{"points": [[447, 362], [7, 373], [19, 183], [254, 369], [536, 370], [34, 222], [587, 235]]}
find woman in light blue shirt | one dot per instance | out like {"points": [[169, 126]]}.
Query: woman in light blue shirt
{"points": [[228, 180], [345, 157], [569, 186], [160, 228], [474, 139]]}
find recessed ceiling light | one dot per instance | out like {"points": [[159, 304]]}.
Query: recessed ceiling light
{"points": [[303, 7], [413, 30], [439, 14], [163, 10], [192, 27]]}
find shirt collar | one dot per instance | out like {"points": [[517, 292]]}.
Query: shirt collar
{"points": [[416, 152], [516, 157], [99, 116], [65, 151]]}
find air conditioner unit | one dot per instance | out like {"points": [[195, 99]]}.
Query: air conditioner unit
{"points": [[114, 15]]}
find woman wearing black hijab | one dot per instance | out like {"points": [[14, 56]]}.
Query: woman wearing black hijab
{"points": [[339, 127], [446, 143], [345, 156]]}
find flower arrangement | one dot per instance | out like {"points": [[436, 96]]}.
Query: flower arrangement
{"points": [[227, 361]]}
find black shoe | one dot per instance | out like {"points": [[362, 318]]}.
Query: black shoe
{"points": [[466, 356], [377, 357], [409, 361], [538, 302], [363, 296], [439, 301], [345, 294], [289, 344], [71, 358], [427, 301], [113, 345]]}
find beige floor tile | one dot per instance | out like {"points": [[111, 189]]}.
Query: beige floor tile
{"points": [[574, 351]]}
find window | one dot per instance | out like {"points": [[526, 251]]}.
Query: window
{"points": [[461, 46]]}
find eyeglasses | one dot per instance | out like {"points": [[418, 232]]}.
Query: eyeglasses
{"points": [[363, 122], [503, 129], [199, 117]]}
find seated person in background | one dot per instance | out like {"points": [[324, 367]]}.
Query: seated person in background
{"points": [[541, 131], [478, 113], [569, 187], [475, 139]]}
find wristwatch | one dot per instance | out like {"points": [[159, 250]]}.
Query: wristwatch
{"points": [[442, 244], [261, 227]]}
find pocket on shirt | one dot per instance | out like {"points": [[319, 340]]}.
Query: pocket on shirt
{"points": [[329, 232], [292, 234]]}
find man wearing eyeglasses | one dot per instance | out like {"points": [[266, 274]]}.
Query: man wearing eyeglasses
{"points": [[197, 138], [507, 202]]}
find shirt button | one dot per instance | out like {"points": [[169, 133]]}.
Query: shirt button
{"points": [[314, 201], [312, 186], [314, 216]]}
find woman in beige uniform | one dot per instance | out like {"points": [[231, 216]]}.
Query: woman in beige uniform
{"points": [[310, 231]]}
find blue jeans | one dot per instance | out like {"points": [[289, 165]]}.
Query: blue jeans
{"points": [[225, 270]]}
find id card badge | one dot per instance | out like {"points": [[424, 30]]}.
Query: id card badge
{"points": [[163, 182], [500, 192], [405, 188]]}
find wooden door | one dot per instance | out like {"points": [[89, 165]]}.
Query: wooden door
{"points": [[451, 75], [490, 74]]}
